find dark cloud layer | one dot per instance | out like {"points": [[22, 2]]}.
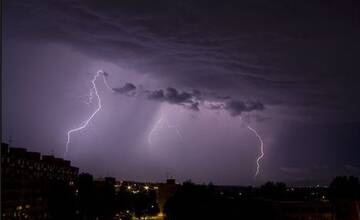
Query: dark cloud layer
{"points": [[173, 96], [301, 54], [237, 107], [126, 89], [192, 100]]}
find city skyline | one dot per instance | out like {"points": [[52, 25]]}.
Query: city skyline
{"points": [[196, 88]]}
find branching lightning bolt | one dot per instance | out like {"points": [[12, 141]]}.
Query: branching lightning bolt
{"points": [[93, 93], [261, 150], [157, 125], [154, 128], [105, 82], [258, 159], [176, 129]]}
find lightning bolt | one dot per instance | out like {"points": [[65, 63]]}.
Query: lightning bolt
{"points": [[261, 155], [105, 81], [93, 94], [261, 150], [160, 122], [154, 128], [176, 129]]}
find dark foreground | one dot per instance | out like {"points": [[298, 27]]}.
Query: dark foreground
{"points": [[44, 187]]}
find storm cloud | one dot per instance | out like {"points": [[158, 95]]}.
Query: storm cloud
{"points": [[192, 100], [288, 68], [237, 107], [126, 89], [173, 96], [283, 61]]}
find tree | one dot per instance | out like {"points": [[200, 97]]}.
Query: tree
{"points": [[86, 195], [344, 188], [272, 190]]}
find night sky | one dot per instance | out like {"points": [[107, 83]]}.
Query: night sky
{"points": [[206, 69]]}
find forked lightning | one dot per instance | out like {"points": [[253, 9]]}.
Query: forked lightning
{"points": [[93, 94]]}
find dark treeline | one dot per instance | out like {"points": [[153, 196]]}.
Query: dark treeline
{"points": [[89, 199], [45, 187], [207, 202]]}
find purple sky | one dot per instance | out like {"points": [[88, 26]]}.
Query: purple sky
{"points": [[290, 70]]}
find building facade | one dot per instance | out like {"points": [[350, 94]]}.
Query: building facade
{"points": [[24, 180]]}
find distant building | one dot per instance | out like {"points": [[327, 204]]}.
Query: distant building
{"points": [[23, 181]]}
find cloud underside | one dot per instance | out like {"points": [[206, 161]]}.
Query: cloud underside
{"points": [[190, 100]]}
